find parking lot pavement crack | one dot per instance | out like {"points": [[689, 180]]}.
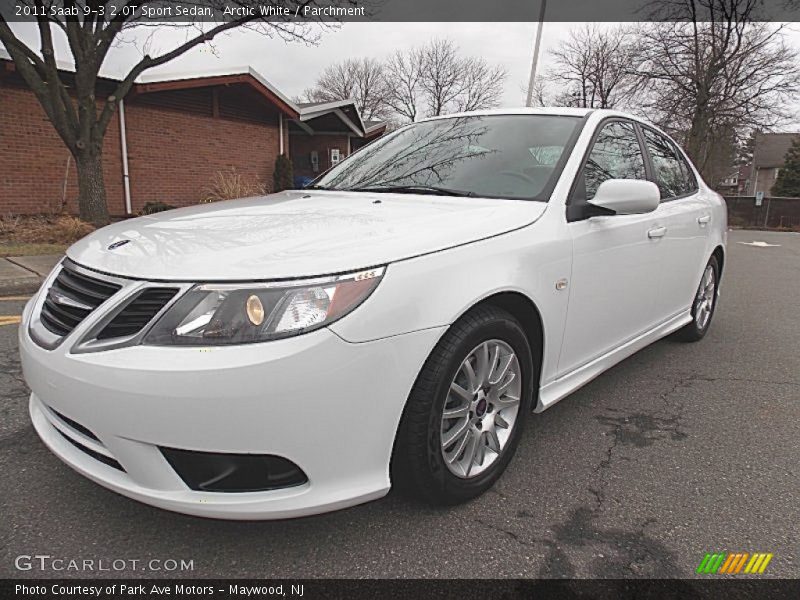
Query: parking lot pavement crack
{"points": [[615, 552], [634, 552], [638, 429], [531, 542], [627, 551], [599, 498], [598, 493]]}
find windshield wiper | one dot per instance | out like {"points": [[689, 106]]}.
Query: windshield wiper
{"points": [[413, 189]]}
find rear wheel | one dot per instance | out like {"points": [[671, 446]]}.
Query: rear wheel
{"points": [[466, 411], [705, 301]]}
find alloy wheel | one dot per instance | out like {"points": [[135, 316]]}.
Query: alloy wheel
{"points": [[704, 302], [481, 408]]}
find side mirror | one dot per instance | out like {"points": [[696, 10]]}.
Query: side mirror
{"points": [[627, 196]]}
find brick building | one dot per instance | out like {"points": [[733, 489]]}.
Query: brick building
{"points": [[171, 137], [325, 133]]}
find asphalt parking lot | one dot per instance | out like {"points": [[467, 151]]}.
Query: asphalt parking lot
{"points": [[680, 450]]}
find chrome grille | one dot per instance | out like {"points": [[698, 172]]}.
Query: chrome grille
{"points": [[72, 296]]}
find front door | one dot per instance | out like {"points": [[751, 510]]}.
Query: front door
{"points": [[615, 269]]}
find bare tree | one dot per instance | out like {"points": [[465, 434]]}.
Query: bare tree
{"points": [[72, 102], [430, 80], [442, 75], [360, 79], [450, 82], [403, 73], [482, 85], [593, 67], [715, 74], [541, 92]]}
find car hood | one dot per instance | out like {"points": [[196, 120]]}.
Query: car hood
{"points": [[295, 234]]}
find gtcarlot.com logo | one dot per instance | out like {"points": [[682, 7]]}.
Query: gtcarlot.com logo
{"points": [[45, 562], [734, 563]]}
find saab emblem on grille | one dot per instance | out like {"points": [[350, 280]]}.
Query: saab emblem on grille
{"points": [[116, 245]]}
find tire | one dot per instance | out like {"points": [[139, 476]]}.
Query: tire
{"points": [[703, 305], [419, 465]]}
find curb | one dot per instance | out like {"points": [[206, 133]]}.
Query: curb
{"points": [[20, 285], [24, 274]]}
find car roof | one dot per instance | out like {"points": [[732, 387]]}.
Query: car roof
{"points": [[543, 110], [546, 110], [598, 114]]}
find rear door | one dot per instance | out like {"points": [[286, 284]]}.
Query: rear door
{"points": [[686, 214], [615, 270]]}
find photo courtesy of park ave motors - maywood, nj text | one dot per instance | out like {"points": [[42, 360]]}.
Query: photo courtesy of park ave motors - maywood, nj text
{"points": [[331, 298]]}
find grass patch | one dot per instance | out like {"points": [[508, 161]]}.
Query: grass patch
{"points": [[36, 235], [21, 249]]}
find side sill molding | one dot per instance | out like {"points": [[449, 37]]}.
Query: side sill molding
{"points": [[565, 385]]}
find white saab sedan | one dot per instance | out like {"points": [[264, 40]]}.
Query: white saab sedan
{"points": [[393, 324]]}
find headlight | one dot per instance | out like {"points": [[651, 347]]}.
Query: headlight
{"points": [[217, 313]]}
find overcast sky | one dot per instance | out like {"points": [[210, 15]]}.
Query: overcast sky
{"points": [[293, 67]]}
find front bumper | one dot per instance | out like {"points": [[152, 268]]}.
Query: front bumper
{"points": [[330, 406]]}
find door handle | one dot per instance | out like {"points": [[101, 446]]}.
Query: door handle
{"points": [[704, 220], [657, 232]]}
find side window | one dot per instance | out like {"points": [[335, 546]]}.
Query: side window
{"points": [[673, 176], [689, 181], [615, 155]]}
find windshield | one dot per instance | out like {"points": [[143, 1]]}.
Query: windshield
{"points": [[496, 156]]}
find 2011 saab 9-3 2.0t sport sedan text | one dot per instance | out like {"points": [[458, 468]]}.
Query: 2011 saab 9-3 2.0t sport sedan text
{"points": [[393, 323]]}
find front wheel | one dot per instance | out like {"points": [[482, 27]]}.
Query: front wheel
{"points": [[466, 411], [705, 301]]}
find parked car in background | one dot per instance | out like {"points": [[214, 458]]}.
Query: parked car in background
{"points": [[395, 322]]}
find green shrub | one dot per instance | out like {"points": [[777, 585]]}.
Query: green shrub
{"points": [[282, 176], [787, 185]]}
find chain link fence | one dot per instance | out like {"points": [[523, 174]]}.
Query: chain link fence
{"points": [[772, 213]]}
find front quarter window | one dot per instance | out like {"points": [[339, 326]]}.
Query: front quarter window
{"points": [[496, 156]]}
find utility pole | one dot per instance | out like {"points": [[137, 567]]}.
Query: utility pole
{"points": [[535, 62]]}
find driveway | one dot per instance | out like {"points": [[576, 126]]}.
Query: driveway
{"points": [[678, 451]]}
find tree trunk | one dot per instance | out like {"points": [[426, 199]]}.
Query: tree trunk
{"points": [[92, 188], [697, 141]]}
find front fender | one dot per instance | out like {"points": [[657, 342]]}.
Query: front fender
{"points": [[436, 289]]}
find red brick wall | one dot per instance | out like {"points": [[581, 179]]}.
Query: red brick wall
{"points": [[33, 159], [303, 144], [172, 154]]}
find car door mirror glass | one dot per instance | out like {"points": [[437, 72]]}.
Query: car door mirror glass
{"points": [[627, 196]]}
